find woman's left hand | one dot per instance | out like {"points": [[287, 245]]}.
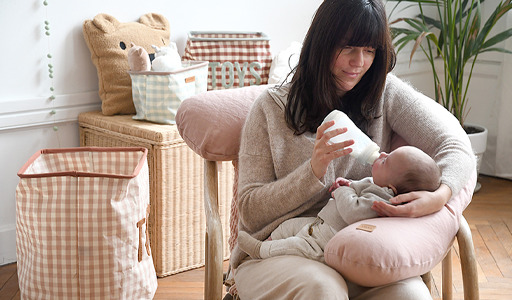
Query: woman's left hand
{"points": [[414, 204]]}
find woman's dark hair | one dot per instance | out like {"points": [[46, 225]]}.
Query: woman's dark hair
{"points": [[313, 91]]}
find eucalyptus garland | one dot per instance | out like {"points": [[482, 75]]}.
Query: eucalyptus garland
{"points": [[50, 64]]}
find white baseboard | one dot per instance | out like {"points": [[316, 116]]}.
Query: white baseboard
{"points": [[7, 244]]}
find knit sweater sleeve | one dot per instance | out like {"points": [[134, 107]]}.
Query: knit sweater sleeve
{"points": [[276, 181], [354, 202], [424, 123]]}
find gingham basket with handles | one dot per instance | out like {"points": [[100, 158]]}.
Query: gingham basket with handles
{"points": [[157, 95], [81, 225], [236, 59]]}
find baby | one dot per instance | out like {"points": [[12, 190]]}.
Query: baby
{"points": [[403, 170]]}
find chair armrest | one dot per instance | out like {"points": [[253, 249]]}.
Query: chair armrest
{"points": [[468, 261], [213, 238]]}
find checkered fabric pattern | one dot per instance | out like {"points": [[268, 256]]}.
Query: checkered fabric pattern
{"points": [[76, 227], [157, 95], [236, 59]]}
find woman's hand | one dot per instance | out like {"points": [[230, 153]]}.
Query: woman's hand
{"points": [[414, 204], [324, 152]]}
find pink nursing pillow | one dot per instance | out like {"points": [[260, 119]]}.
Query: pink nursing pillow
{"points": [[397, 248]]}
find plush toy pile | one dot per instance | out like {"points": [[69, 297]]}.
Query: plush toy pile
{"points": [[110, 43], [166, 59]]}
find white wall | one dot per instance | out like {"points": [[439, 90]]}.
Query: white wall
{"points": [[26, 124], [494, 111]]}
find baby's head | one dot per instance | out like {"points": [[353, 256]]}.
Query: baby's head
{"points": [[406, 169]]}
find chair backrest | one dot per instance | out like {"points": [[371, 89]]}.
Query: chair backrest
{"points": [[211, 125], [211, 122]]}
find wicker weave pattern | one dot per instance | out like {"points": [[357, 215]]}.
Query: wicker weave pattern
{"points": [[177, 221]]}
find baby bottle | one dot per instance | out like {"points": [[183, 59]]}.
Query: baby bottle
{"points": [[364, 149]]}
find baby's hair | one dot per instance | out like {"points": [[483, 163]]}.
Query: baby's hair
{"points": [[424, 176]]}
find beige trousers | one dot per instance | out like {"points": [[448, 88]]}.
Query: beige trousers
{"points": [[294, 277], [293, 237]]}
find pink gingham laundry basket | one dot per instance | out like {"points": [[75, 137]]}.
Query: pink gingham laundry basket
{"points": [[81, 225]]}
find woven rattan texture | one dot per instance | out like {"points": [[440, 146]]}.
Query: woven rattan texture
{"points": [[177, 220]]}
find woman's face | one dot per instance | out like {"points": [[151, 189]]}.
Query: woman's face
{"points": [[349, 66]]}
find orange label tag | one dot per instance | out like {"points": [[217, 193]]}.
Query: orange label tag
{"points": [[366, 227], [190, 79]]}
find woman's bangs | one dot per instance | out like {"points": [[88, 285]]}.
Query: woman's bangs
{"points": [[367, 32]]}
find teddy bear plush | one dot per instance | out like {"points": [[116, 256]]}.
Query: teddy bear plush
{"points": [[109, 42]]}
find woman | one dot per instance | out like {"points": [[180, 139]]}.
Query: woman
{"points": [[286, 165]]}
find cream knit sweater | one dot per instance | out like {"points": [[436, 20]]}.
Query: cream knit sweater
{"points": [[276, 181]]}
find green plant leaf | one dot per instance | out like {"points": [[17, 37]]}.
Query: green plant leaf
{"points": [[472, 43], [502, 50], [417, 44], [431, 21], [500, 37], [416, 24], [500, 11]]}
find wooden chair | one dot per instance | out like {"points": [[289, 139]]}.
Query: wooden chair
{"points": [[214, 245], [200, 108]]}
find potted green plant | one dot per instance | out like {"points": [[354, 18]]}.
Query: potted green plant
{"points": [[451, 34]]}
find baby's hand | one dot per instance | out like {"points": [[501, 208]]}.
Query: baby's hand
{"points": [[340, 181]]}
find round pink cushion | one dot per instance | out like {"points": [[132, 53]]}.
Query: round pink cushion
{"points": [[211, 122], [398, 248]]}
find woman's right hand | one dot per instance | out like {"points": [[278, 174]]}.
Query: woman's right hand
{"points": [[324, 152]]}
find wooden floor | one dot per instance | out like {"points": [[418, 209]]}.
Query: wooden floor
{"points": [[489, 216]]}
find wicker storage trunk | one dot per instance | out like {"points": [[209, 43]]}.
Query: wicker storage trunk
{"points": [[177, 221]]}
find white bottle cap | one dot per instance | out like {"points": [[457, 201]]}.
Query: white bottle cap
{"points": [[373, 157]]}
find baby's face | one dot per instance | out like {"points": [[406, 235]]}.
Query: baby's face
{"points": [[387, 168]]}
